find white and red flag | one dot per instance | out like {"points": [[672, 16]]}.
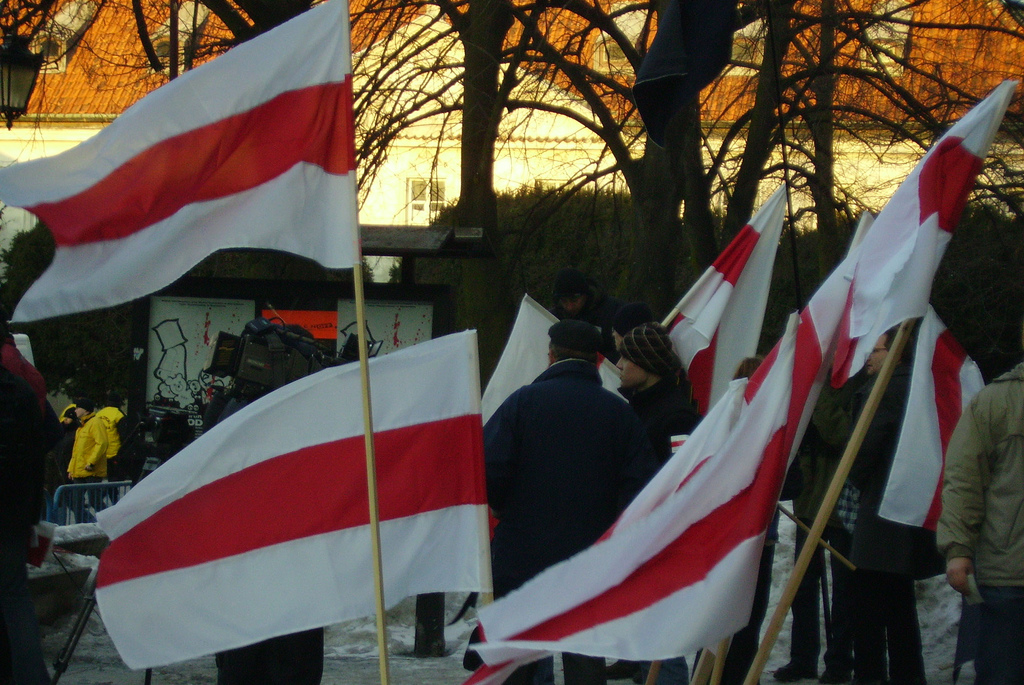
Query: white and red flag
{"points": [[252, 150], [719, 320], [901, 252], [943, 381], [526, 356], [261, 527]]}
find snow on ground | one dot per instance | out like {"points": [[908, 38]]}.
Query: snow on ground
{"points": [[351, 647]]}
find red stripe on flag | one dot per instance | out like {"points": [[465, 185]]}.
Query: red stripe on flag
{"points": [[845, 345], [701, 373], [734, 257], [229, 156], [946, 366], [315, 490], [686, 560], [947, 177]]}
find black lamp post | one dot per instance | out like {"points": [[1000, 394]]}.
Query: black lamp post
{"points": [[1016, 10], [19, 69]]}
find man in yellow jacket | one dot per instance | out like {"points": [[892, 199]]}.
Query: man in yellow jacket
{"points": [[89, 455], [111, 416]]}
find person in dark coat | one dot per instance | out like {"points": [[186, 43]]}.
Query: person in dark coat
{"points": [[817, 459], [563, 458], [578, 297], [889, 556], [22, 449]]}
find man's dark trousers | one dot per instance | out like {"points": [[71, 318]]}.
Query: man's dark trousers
{"points": [[806, 643]]}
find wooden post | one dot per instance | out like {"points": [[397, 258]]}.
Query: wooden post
{"points": [[702, 671], [803, 526], [828, 503], [371, 473], [719, 669], [652, 673]]}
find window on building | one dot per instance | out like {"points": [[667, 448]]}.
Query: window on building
{"points": [[887, 36], [609, 58], [426, 198], [53, 52], [748, 47]]}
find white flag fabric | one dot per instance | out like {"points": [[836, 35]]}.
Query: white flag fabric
{"points": [[943, 381], [903, 249], [720, 317], [526, 356], [261, 526], [254, 149]]}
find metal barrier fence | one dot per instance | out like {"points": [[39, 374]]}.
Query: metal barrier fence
{"points": [[79, 502]]}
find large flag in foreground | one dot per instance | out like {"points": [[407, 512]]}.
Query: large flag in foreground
{"points": [[692, 46], [261, 527], [902, 250], [252, 150], [944, 380], [526, 356], [720, 317]]}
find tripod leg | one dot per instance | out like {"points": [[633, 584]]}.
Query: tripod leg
{"points": [[64, 657]]}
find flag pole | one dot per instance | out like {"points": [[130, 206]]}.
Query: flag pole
{"points": [[828, 503], [831, 550], [720, 657], [371, 473]]}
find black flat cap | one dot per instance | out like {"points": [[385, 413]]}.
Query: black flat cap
{"points": [[575, 335]]}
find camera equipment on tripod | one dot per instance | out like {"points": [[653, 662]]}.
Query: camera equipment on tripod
{"points": [[166, 426], [268, 354], [161, 432]]}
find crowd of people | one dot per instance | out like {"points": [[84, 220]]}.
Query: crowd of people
{"points": [[564, 457], [537, 440]]}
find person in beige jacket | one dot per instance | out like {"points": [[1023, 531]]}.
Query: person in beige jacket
{"points": [[981, 528]]}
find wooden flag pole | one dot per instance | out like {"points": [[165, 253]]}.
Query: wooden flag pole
{"points": [[719, 669], [832, 550], [371, 473], [702, 671], [828, 503], [652, 673]]}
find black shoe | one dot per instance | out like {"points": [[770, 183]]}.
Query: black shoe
{"points": [[832, 676], [621, 670], [791, 673]]}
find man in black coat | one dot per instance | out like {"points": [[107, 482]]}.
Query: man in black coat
{"points": [[22, 446], [578, 297], [564, 456], [889, 556]]}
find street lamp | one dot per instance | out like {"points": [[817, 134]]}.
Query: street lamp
{"points": [[19, 69], [1016, 9]]}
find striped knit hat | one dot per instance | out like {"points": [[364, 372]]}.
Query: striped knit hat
{"points": [[649, 347]]}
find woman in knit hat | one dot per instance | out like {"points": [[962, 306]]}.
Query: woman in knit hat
{"points": [[654, 383]]}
